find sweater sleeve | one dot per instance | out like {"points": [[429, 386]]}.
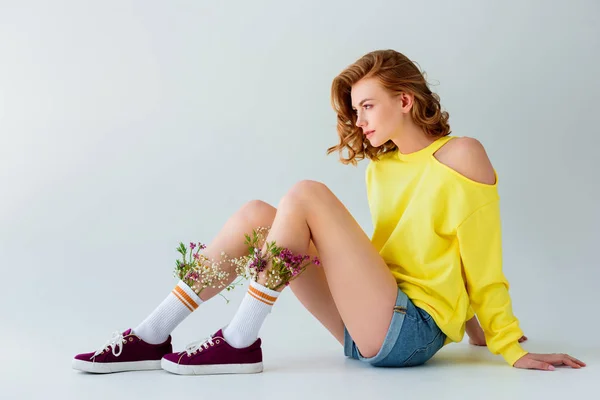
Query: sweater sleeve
{"points": [[480, 241]]}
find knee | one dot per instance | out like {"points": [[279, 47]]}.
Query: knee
{"points": [[307, 189], [258, 210]]}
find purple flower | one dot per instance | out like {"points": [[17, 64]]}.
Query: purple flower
{"points": [[258, 263], [192, 246], [193, 275]]}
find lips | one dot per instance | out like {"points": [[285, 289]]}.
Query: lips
{"points": [[369, 133]]}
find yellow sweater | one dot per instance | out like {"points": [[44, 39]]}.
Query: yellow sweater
{"points": [[440, 234]]}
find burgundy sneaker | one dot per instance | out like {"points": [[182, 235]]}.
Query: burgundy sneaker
{"points": [[214, 356], [123, 352]]}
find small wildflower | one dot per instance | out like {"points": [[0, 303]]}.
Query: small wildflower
{"points": [[285, 265], [199, 273]]}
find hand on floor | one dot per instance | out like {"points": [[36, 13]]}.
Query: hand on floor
{"points": [[546, 362]]}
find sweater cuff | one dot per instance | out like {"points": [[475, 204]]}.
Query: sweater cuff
{"points": [[513, 352]]}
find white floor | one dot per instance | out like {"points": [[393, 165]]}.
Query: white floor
{"points": [[295, 369]]}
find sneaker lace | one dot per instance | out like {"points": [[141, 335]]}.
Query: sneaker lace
{"points": [[195, 346], [116, 341]]}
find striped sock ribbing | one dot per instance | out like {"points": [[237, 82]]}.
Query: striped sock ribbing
{"points": [[157, 326]]}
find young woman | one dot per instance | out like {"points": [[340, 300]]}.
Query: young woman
{"points": [[393, 300]]}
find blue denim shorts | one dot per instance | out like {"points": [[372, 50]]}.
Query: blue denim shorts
{"points": [[412, 338]]}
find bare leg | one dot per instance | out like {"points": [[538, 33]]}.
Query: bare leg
{"points": [[360, 282], [310, 287]]}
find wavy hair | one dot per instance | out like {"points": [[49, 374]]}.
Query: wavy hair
{"points": [[397, 74]]}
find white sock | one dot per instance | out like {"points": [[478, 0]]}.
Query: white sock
{"points": [[243, 329], [180, 303]]}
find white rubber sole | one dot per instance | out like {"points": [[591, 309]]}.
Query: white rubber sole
{"points": [[211, 369], [107, 368]]}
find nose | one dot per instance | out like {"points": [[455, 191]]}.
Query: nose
{"points": [[360, 121]]}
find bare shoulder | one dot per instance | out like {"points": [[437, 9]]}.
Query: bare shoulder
{"points": [[467, 156]]}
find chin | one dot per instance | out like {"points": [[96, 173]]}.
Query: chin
{"points": [[375, 143]]}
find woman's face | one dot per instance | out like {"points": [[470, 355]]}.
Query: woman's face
{"points": [[379, 114]]}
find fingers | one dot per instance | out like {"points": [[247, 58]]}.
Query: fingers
{"points": [[570, 361], [565, 359], [581, 363]]}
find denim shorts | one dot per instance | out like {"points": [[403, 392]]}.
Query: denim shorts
{"points": [[412, 338]]}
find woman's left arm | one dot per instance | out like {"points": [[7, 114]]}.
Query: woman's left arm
{"points": [[479, 238], [480, 241]]}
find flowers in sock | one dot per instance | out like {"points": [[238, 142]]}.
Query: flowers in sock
{"points": [[199, 272], [284, 265]]}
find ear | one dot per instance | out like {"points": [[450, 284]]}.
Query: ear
{"points": [[405, 101]]}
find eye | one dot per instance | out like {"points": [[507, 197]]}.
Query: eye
{"points": [[367, 106]]}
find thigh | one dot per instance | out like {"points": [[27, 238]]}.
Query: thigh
{"points": [[360, 282]]}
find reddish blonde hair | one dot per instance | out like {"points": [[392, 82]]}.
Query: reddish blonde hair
{"points": [[397, 74]]}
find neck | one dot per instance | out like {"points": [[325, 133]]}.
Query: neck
{"points": [[412, 139]]}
